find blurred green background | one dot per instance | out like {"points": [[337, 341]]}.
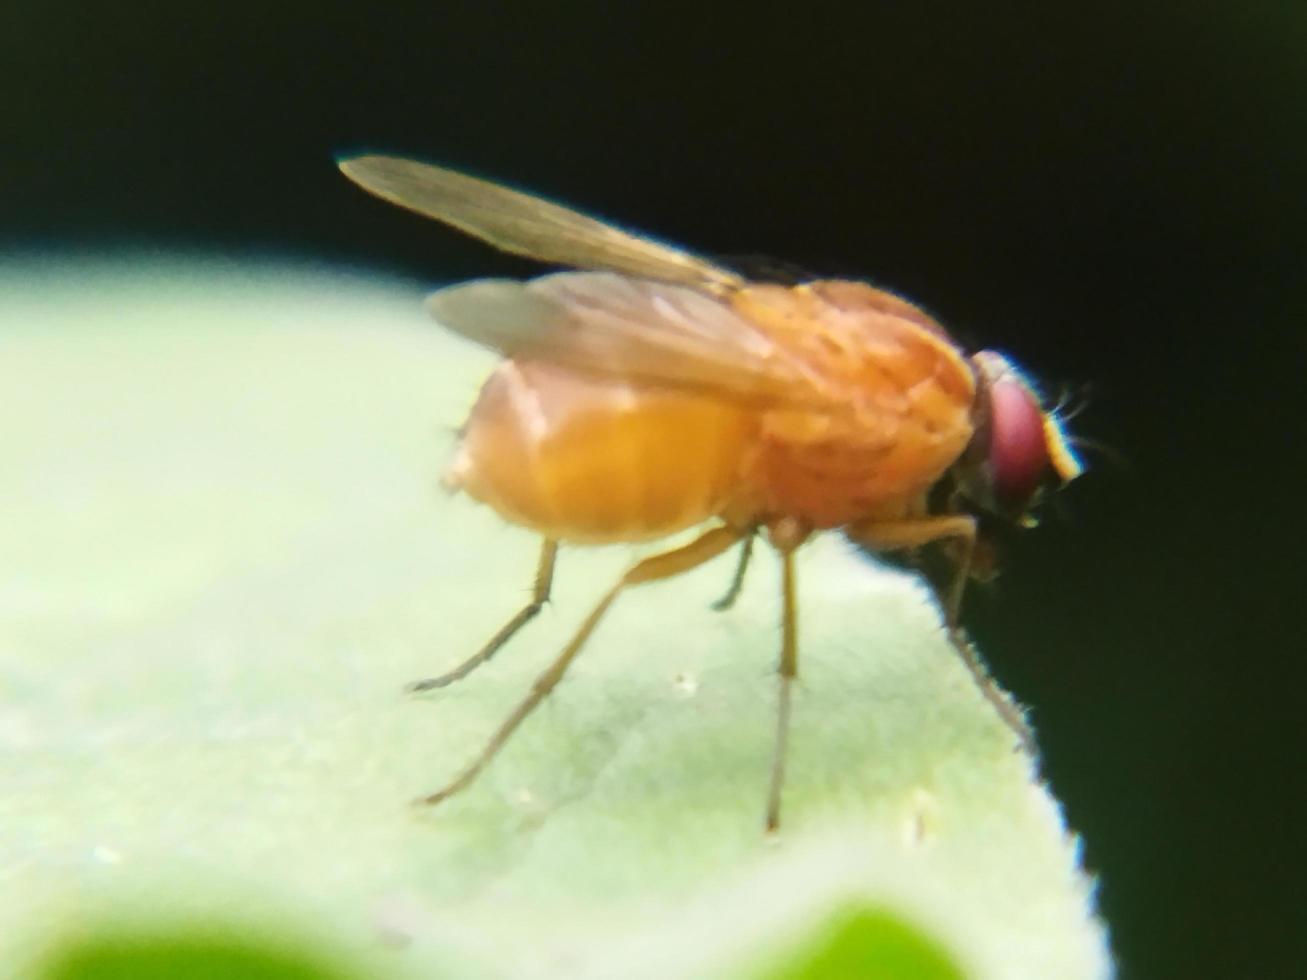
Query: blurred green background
{"points": [[1115, 193]]}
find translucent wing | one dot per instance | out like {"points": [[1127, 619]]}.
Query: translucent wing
{"points": [[610, 325], [526, 225]]}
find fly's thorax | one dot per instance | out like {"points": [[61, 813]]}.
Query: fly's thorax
{"points": [[831, 470], [900, 396]]}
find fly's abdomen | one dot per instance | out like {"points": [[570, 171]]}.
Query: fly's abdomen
{"points": [[596, 460]]}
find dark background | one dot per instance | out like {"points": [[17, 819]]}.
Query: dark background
{"points": [[1117, 196]]}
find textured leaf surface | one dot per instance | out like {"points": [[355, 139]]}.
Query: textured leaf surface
{"points": [[226, 552]]}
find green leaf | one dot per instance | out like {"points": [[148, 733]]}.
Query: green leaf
{"points": [[194, 954], [866, 944], [225, 554]]}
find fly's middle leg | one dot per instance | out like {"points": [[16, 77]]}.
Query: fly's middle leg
{"points": [[737, 580]]}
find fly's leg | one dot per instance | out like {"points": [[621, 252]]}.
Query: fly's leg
{"points": [[786, 536], [1007, 709], [914, 532], [539, 596], [737, 581], [671, 563]]}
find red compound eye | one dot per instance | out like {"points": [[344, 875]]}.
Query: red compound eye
{"points": [[1018, 449]]}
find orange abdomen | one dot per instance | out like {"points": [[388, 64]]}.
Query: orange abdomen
{"points": [[595, 460]]}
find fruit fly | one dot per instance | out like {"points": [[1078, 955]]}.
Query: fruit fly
{"points": [[651, 391]]}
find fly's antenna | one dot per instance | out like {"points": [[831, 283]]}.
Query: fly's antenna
{"points": [[1107, 452], [1071, 402]]}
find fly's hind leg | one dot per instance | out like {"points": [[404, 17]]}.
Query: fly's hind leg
{"points": [[539, 596], [707, 546], [913, 532]]}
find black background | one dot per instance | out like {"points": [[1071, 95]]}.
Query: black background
{"points": [[1117, 196]]}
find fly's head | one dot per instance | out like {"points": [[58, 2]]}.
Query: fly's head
{"points": [[1018, 451]]}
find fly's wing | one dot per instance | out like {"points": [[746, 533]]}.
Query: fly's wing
{"points": [[525, 225], [656, 333]]}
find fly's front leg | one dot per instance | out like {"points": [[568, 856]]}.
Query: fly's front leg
{"points": [[916, 531], [913, 532], [539, 596]]}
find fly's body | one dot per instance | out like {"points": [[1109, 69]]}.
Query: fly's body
{"points": [[656, 392], [589, 459]]}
